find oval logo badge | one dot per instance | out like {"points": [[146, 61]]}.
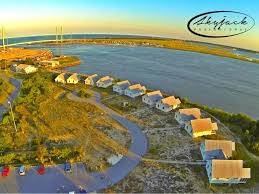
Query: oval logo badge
{"points": [[220, 24]]}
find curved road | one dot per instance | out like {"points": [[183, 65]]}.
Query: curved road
{"points": [[138, 147], [55, 180], [17, 84]]}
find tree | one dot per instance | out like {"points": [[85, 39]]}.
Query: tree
{"points": [[42, 153]]}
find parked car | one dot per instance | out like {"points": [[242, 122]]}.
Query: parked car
{"points": [[41, 169], [67, 167], [6, 171], [22, 170]]}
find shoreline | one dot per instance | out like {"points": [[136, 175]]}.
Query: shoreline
{"points": [[157, 43]]}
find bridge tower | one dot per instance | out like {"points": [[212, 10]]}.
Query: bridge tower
{"points": [[3, 37], [61, 34]]}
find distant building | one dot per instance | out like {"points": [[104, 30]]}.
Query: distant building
{"points": [[185, 115], [201, 127], [49, 63], [167, 104], [91, 80], [73, 79], [61, 78], [152, 98], [121, 86], [104, 82], [135, 90], [217, 149], [227, 171], [23, 68]]}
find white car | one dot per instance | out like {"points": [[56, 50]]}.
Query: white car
{"points": [[22, 170]]}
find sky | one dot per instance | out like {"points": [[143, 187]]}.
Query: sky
{"points": [[164, 18]]}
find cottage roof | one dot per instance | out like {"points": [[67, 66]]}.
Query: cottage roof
{"points": [[105, 78], [229, 169], [171, 101], [23, 66], [226, 146], [74, 76], [137, 87], [200, 125], [61, 76], [191, 111]]}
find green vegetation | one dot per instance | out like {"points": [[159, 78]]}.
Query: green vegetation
{"points": [[53, 130], [83, 93], [67, 61], [4, 64], [6, 89]]}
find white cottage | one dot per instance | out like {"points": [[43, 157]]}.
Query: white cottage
{"points": [[184, 115], [121, 86], [167, 104], [23, 68], [152, 98], [61, 78], [104, 82], [135, 90], [201, 127], [91, 80], [73, 79]]}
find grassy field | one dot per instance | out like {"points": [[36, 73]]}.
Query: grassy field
{"points": [[67, 61], [6, 88], [20, 53], [53, 129]]}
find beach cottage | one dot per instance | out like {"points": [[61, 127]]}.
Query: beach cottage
{"points": [[23, 68], [227, 171], [121, 86], [167, 104], [152, 98], [73, 79], [91, 80], [61, 78], [135, 90], [184, 115], [201, 127], [104, 82], [217, 149]]}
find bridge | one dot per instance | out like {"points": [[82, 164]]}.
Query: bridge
{"points": [[58, 39]]}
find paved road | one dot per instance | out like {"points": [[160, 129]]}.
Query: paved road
{"points": [[138, 147], [17, 84]]}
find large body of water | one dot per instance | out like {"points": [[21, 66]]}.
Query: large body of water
{"points": [[225, 83]]}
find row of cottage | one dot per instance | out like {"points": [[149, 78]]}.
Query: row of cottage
{"points": [[124, 88], [215, 152]]}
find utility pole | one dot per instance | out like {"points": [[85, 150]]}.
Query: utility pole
{"points": [[3, 37], [10, 104]]}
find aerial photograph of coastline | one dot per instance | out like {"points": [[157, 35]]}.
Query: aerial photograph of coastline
{"points": [[129, 96]]}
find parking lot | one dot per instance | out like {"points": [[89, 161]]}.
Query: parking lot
{"points": [[54, 180]]}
